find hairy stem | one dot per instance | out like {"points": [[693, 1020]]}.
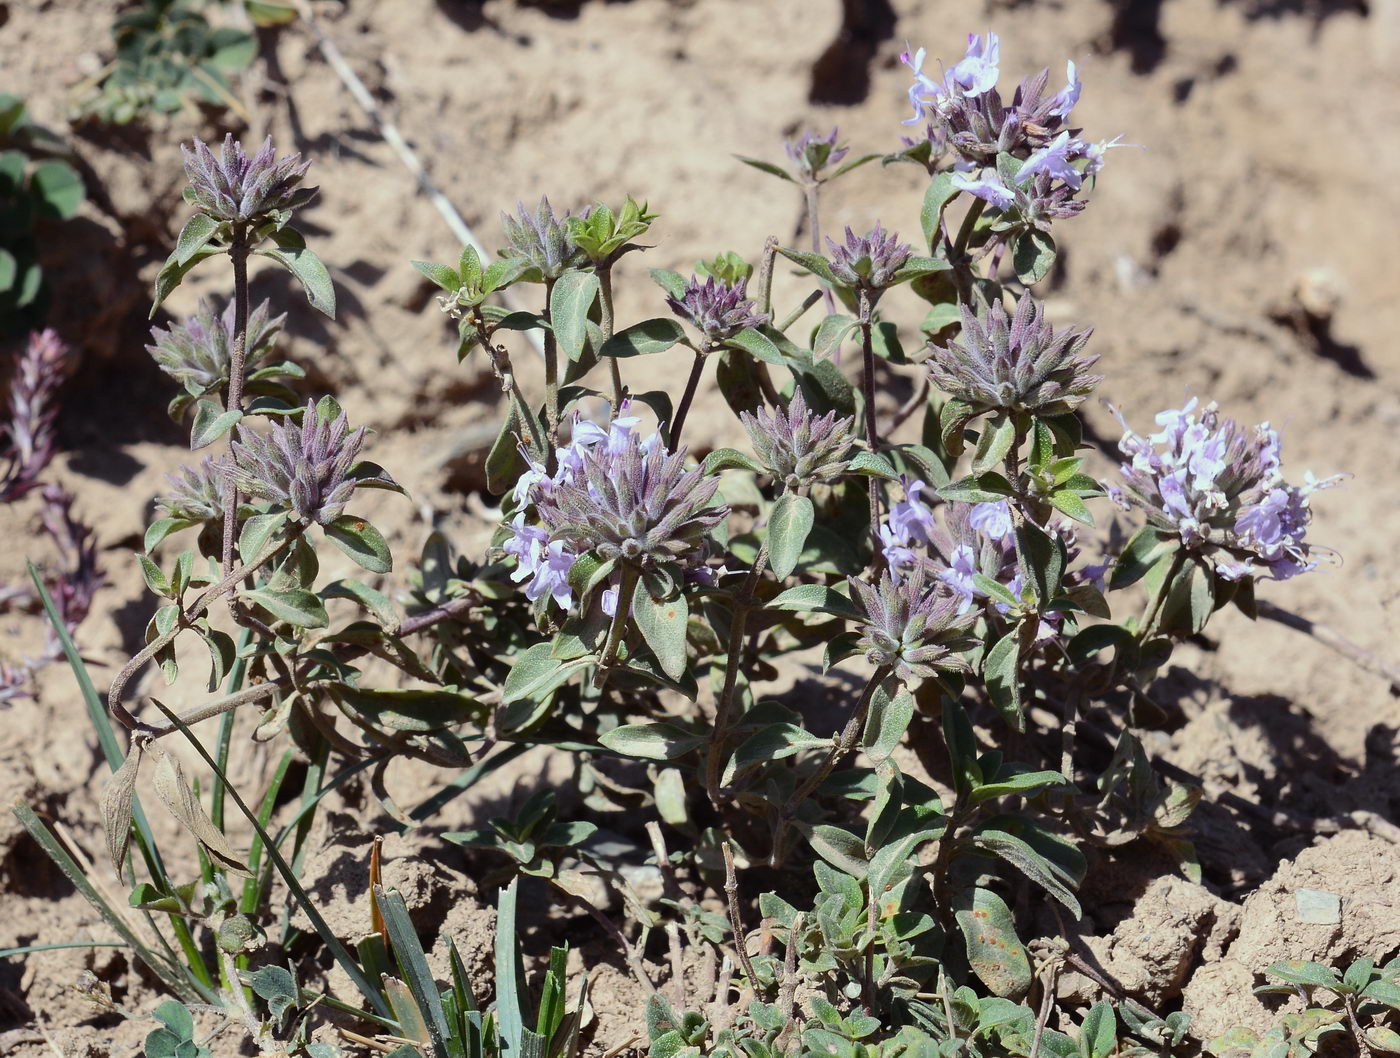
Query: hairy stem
{"points": [[724, 710], [626, 586], [605, 323], [811, 197], [674, 441], [551, 381], [226, 704], [238, 254], [850, 734], [736, 924], [872, 429], [765, 275], [206, 599]]}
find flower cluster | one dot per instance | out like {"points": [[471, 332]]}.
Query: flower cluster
{"points": [[27, 440], [196, 493], [1220, 488], [1014, 362], [813, 153], [799, 448], [236, 189], [542, 239], [198, 351], [966, 111], [868, 262], [616, 494], [719, 310], [912, 627], [304, 469]]}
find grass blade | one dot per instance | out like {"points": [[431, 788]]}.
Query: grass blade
{"points": [[413, 964], [509, 990]]}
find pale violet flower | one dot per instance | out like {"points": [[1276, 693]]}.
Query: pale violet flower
{"points": [[912, 518], [1055, 159], [1068, 96], [977, 72], [988, 188], [1093, 153], [962, 565], [993, 520]]}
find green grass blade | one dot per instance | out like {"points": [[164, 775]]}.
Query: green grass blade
{"points": [[413, 965], [333, 943], [234, 684], [6, 953], [168, 975], [465, 781], [509, 991]]}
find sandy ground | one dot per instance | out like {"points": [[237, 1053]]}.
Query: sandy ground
{"points": [[1244, 255]]}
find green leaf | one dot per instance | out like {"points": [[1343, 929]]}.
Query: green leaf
{"points": [[953, 418], [995, 441], [194, 236], [172, 273], [443, 275], [757, 345], [940, 192], [376, 602], [361, 541], [155, 579], [729, 459], [788, 526], [1307, 974], [767, 167], [1032, 255], [671, 282], [210, 423], [887, 721], [654, 741], [413, 964], [1026, 859], [1146, 547], [257, 531], [1025, 784], [807, 598], [918, 266], [536, 674], [292, 252], [813, 262], [872, 464], [643, 339], [1002, 672], [840, 848], [1099, 1033], [295, 606], [412, 710], [58, 188], [662, 623], [994, 952], [830, 333], [569, 302], [1069, 504]]}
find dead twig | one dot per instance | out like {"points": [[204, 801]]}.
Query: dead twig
{"points": [[731, 892], [1334, 640]]}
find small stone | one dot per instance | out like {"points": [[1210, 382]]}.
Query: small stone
{"points": [[1319, 907]]}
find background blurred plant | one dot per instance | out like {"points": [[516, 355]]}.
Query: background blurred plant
{"points": [[37, 186]]}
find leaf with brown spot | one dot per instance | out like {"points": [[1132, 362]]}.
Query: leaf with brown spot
{"points": [[116, 808], [994, 952]]}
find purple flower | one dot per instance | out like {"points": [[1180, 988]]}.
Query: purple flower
{"points": [[870, 261], [813, 153], [1220, 488], [718, 310], [236, 189], [911, 627], [911, 518], [1055, 159], [977, 72], [993, 520], [541, 239], [958, 574], [1093, 153], [27, 440], [1066, 98], [797, 447], [988, 188]]}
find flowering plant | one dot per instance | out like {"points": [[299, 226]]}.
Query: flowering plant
{"points": [[960, 597]]}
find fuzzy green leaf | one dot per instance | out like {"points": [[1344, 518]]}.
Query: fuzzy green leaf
{"points": [[362, 542], [788, 526]]}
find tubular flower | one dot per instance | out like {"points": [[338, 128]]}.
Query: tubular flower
{"points": [[799, 448], [719, 310], [912, 627], [868, 261], [1221, 489], [1014, 363], [634, 502], [305, 469], [197, 351], [196, 493], [236, 189], [541, 239]]}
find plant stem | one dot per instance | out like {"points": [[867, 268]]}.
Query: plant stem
{"points": [[226, 704], [872, 434], [551, 380], [238, 254], [765, 275], [674, 441], [811, 196], [731, 892], [724, 711], [796, 314], [626, 586], [205, 600], [843, 745], [1159, 597], [605, 323], [962, 267]]}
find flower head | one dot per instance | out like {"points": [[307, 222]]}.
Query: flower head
{"points": [[542, 239], [27, 440], [236, 189], [911, 626], [196, 493], [1221, 489], [198, 351], [813, 153], [799, 448], [1015, 362], [304, 469], [869, 261], [718, 309], [635, 502]]}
